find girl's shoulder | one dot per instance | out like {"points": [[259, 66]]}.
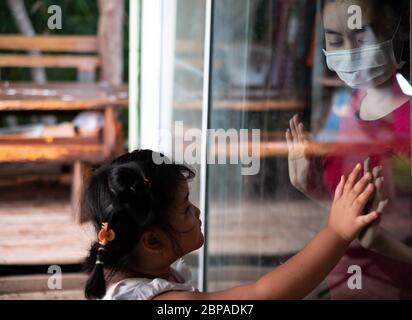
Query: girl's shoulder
{"points": [[146, 289]]}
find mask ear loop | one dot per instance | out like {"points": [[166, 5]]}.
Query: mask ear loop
{"points": [[400, 64]]}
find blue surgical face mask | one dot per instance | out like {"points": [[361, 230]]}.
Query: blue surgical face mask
{"points": [[361, 67]]}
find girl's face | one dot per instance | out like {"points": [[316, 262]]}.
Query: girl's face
{"points": [[185, 221]]}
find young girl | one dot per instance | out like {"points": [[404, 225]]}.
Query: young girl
{"points": [[146, 222]]}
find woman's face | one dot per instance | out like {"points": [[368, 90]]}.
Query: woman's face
{"points": [[339, 35], [377, 25]]}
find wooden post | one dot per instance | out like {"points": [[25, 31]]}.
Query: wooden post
{"points": [[110, 33], [77, 190], [109, 132]]}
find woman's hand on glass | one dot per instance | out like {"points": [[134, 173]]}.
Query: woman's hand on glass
{"points": [[298, 161], [377, 203]]}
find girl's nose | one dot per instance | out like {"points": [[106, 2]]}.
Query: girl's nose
{"points": [[197, 212]]}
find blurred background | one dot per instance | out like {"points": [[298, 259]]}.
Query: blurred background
{"points": [[116, 75]]}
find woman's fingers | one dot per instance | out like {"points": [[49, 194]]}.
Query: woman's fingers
{"points": [[378, 185], [293, 130], [376, 171], [365, 220], [296, 120], [352, 178], [289, 140], [301, 132], [300, 129], [367, 165], [381, 206]]}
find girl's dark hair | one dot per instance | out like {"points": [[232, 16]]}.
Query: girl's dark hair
{"points": [[118, 194]]}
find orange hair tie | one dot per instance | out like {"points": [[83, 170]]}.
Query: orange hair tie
{"points": [[105, 234]]}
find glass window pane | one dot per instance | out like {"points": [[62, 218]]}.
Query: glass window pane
{"points": [[359, 111], [182, 87], [260, 79], [337, 71]]}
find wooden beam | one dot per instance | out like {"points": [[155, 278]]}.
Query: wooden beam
{"points": [[62, 153], [82, 63], [58, 105], [15, 139], [246, 105], [279, 148], [49, 43], [33, 283]]}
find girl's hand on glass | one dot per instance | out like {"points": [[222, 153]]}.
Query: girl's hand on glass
{"points": [[298, 161], [346, 218], [377, 203]]}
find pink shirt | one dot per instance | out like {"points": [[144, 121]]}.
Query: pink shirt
{"points": [[381, 277]]}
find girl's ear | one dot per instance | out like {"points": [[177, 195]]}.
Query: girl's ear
{"points": [[152, 241]]}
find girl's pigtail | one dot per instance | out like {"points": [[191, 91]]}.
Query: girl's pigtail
{"points": [[96, 283]]}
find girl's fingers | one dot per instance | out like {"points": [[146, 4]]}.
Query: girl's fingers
{"points": [[365, 220], [363, 198], [352, 178], [339, 188], [360, 186]]}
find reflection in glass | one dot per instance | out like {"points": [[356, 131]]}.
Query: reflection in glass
{"points": [[274, 59], [360, 112], [261, 69]]}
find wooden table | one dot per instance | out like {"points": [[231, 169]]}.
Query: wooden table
{"points": [[55, 97], [20, 97]]}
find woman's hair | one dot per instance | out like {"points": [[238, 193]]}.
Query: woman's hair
{"points": [[132, 194], [396, 7]]}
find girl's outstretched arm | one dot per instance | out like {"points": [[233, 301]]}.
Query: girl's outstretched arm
{"points": [[302, 273]]}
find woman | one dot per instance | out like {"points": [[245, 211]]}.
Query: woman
{"points": [[367, 60]]}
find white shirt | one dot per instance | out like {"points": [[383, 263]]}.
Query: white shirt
{"points": [[146, 289]]}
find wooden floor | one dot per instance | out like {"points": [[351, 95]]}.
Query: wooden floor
{"points": [[35, 287], [37, 227]]}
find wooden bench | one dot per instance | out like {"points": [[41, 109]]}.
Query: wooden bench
{"points": [[20, 97], [86, 64]]}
